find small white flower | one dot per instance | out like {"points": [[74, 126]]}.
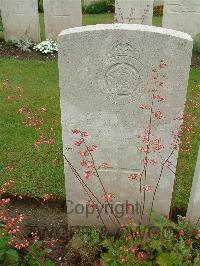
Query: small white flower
{"points": [[47, 46]]}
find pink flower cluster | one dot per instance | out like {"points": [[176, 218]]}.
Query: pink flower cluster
{"points": [[86, 153], [12, 224]]}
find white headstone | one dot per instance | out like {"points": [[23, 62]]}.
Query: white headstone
{"points": [[105, 75], [60, 15], [193, 211], [183, 15], [20, 18], [134, 11]]}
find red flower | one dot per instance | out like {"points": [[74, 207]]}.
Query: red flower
{"points": [[142, 106], [162, 64], [78, 142], [158, 98], [156, 145], [75, 131], [84, 153], [91, 204], [134, 176], [147, 188], [187, 242], [84, 134], [160, 83], [92, 148], [147, 151], [158, 114], [197, 236], [141, 256], [104, 165], [87, 164], [107, 197], [151, 161], [181, 233], [83, 163], [88, 174]]}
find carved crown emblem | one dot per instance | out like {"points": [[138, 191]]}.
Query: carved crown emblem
{"points": [[122, 49]]}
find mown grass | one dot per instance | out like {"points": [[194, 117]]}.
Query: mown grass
{"points": [[187, 160], [35, 171]]}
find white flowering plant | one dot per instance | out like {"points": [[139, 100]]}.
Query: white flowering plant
{"points": [[46, 47], [24, 43]]}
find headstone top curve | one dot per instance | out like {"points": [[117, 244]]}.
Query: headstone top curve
{"points": [[131, 27]]}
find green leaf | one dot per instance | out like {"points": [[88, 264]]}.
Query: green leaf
{"points": [[37, 249], [49, 263], [2, 255], [167, 259], [12, 256], [108, 258], [28, 259], [156, 245], [158, 221], [3, 243]]}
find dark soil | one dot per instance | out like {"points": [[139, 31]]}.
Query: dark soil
{"points": [[196, 60], [48, 220], [9, 51]]}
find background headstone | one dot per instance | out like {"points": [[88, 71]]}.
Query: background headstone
{"points": [[60, 15], [134, 11], [20, 18], [193, 211], [105, 74], [183, 15]]}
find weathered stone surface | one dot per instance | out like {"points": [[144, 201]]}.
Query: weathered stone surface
{"points": [[182, 15], [193, 211], [105, 74], [60, 15], [134, 11], [20, 18]]}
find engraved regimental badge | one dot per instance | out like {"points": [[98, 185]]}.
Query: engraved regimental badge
{"points": [[122, 73]]}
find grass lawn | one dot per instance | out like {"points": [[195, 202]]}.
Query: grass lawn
{"points": [[187, 161], [37, 171]]}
